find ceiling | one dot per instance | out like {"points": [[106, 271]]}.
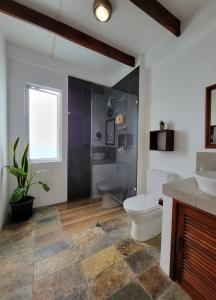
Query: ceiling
{"points": [[129, 30]]}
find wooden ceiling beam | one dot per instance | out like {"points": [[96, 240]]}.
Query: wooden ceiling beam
{"points": [[159, 13], [24, 13]]}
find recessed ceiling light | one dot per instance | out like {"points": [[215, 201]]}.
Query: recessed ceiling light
{"points": [[102, 10]]}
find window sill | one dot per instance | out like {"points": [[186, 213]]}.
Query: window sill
{"points": [[48, 161]]}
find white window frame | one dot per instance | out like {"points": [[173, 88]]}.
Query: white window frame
{"points": [[59, 121]]}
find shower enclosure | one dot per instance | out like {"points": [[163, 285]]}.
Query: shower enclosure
{"points": [[114, 116], [102, 141]]}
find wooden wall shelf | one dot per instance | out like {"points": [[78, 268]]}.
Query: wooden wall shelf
{"points": [[162, 140]]}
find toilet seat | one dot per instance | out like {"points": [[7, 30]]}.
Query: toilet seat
{"points": [[141, 205]]}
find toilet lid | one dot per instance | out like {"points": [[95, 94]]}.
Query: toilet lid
{"points": [[141, 204], [109, 185]]}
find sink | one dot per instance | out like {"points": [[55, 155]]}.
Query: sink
{"points": [[98, 156], [207, 181]]}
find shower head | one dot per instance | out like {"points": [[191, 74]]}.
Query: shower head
{"points": [[109, 101]]}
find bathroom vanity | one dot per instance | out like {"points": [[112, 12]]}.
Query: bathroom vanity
{"points": [[193, 238]]}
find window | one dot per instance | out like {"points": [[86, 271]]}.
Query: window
{"points": [[44, 123]]}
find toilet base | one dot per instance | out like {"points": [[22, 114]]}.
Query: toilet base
{"points": [[108, 201], [145, 228]]}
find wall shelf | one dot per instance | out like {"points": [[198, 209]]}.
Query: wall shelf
{"points": [[162, 140]]}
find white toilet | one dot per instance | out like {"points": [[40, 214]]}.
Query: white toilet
{"points": [[144, 210]]}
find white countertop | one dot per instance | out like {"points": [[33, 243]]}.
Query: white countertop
{"points": [[188, 192]]}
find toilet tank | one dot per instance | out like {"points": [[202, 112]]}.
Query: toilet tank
{"points": [[155, 181]]}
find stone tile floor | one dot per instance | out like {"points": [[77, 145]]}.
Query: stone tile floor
{"points": [[39, 261]]}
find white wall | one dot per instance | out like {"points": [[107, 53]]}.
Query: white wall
{"points": [[18, 74], [143, 128], [178, 97], [38, 59], [3, 130]]}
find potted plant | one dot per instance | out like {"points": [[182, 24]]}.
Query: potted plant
{"points": [[162, 125], [21, 202]]}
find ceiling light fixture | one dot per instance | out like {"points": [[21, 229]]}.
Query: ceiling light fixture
{"points": [[102, 10]]}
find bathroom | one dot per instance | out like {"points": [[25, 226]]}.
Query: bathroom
{"points": [[125, 207]]}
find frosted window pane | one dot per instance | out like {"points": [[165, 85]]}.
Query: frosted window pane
{"points": [[43, 124]]}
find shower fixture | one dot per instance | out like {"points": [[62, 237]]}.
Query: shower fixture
{"points": [[109, 101], [109, 108]]}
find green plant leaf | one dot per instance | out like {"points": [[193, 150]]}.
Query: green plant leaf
{"points": [[14, 153], [17, 195], [25, 169], [16, 171], [24, 156], [14, 157], [24, 163], [45, 186]]}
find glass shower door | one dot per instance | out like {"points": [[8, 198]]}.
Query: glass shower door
{"points": [[126, 125], [114, 143]]}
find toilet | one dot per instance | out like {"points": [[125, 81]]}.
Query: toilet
{"points": [[106, 189], [116, 183], [144, 210]]}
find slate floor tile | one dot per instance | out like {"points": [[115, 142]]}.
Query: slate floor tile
{"points": [[39, 261], [132, 291], [12, 235], [54, 263], [94, 246], [128, 247], [155, 281], [47, 220], [16, 247], [113, 224], [22, 293], [95, 264], [63, 284], [155, 242], [16, 279], [174, 292], [112, 279], [53, 248], [120, 234], [140, 261], [16, 262], [83, 236], [48, 238], [47, 229], [4, 294], [80, 293]]}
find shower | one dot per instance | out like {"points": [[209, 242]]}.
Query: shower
{"points": [[114, 113], [102, 139]]}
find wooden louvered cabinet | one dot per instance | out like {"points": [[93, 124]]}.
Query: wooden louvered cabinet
{"points": [[193, 252]]}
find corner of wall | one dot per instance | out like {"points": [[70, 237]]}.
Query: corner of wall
{"points": [[3, 131], [143, 128]]}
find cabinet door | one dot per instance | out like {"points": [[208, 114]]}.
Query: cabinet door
{"points": [[195, 252]]}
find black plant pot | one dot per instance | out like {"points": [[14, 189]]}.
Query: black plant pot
{"points": [[23, 210]]}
